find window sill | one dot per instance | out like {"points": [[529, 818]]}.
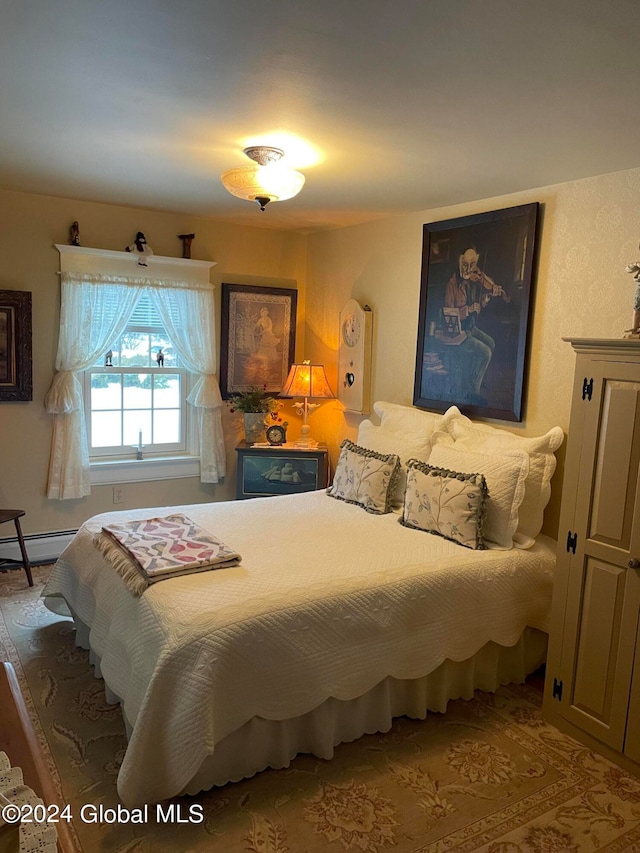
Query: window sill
{"points": [[116, 471]]}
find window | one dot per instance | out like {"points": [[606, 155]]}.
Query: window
{"points": [[136, 392], [110, 306]]}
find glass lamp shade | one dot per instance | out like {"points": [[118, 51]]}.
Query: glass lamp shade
{"points": [[306, 380], [272, 182]]}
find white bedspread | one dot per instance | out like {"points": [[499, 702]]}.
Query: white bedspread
{"points": [[328, 600]]}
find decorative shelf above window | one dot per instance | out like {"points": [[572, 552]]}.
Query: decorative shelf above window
{"points": [[108, 262]]}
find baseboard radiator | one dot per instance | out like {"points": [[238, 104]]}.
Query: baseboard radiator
{"points": [[41, 547]]}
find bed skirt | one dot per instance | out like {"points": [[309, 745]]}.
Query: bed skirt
{"points": [[261, 743]]}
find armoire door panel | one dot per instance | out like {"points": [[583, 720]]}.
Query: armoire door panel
{"points": [[598, 648], [616, 464], [601, 615]]}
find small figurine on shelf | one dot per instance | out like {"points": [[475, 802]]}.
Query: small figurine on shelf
{"points": [[141, 248], [634, 269], [186, 244], [160, 358], [108, 359], [74, 234]]}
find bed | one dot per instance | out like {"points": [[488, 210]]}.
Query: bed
{"points": [[336, 621]]}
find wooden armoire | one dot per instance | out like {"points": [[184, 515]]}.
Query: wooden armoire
{"points": [[592, 687]]}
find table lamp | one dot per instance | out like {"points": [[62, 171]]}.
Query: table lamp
{"points": [[306, 380]]}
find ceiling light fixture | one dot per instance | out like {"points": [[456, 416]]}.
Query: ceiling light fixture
{"points": [[267, 181]]}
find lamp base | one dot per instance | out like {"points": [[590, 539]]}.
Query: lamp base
{"points": [[309, 443], [304, 440]]}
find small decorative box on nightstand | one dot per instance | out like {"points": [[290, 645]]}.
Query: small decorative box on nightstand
{"points": [[267, 471]]}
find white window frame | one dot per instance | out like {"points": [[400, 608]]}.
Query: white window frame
{"points": [[111, 466], [156, 449], [157, 466]]}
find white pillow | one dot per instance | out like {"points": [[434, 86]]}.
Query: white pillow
{"points": [[404, 430], [407, 420], [505, 473], [542, 463], [404, 446]]}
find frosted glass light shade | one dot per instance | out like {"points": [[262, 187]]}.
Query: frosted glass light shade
{"points": [[273, 182]]}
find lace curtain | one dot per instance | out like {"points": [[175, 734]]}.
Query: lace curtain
{"points": [[94, 312]]}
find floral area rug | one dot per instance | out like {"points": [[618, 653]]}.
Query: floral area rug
{"points": [[489, 775]]}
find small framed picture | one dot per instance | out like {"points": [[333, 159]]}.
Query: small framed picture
{"points": [[257, 338], [16, 382]]}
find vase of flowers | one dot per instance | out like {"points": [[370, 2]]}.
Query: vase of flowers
{"points": [[253, 427], [258, 410]]}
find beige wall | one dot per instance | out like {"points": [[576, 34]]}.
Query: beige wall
{"points": [[588, 233], [29, 226]]}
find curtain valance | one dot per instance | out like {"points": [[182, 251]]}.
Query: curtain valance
{"points": [[133, 281]]}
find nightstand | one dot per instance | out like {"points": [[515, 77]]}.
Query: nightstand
{"points": [[284, 470]]}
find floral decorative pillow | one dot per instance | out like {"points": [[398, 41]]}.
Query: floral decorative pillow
{"points": [[365, 477], [505, 475], [446, 503]]}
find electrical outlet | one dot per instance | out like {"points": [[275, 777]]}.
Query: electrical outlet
{"points": [[118, 494]]}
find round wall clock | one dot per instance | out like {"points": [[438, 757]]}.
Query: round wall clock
{"points": [[354, 357], [276, 434], [351, 330]]}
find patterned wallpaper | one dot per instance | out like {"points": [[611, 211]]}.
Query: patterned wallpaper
{"points": [[589, 230]]}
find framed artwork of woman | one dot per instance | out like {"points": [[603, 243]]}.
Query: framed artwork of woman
{"points": [[257, 340]]}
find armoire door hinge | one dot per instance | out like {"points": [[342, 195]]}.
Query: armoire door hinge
{"points": [[572, 542], [587, 388], [557, 690]]}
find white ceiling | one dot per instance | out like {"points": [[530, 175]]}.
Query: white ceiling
{"points": [[393, 105]]}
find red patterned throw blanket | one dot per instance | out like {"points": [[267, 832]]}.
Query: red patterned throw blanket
{"points": [[154, 549]]}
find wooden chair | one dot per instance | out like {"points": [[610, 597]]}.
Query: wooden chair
{"points": [[15, 515]]}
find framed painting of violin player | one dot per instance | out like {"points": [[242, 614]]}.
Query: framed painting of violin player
{"points": [[475, 302], [16, 382]]}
